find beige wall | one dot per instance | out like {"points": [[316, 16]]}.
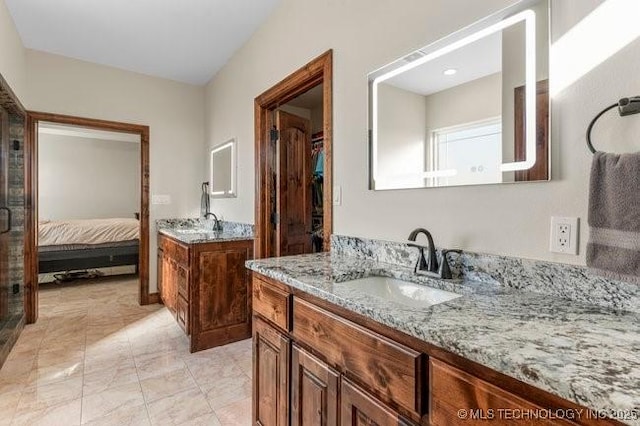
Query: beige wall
{"points": [[402, 133], [12, 54], [87, 178], [475, 100], [173, 111], [508, 219]]}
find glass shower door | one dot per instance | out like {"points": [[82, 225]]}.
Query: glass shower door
{"points": [[5, 218], [11, 228]]}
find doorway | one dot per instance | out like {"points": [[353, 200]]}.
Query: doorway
{"points": [[124, 248], [293, 125]]}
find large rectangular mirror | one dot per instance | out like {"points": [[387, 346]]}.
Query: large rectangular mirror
{"points": [[223, 170], [469, 109]]}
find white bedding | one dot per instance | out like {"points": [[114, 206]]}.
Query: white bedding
{"points": [[87, 231]]}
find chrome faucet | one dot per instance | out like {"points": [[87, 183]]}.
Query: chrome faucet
{"points": [[216, 222], [429, 265]]}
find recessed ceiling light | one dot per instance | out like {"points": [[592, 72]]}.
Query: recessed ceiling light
{"points": [[450, 71]]}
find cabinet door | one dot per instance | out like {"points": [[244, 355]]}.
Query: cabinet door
{"points": [[182, 314], [357, 408], [221, 302], [159, 271], [169, 291], [314, 391], [270, 376], [453, 389]]}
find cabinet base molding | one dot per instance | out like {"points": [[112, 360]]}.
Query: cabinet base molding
{"points": [[154, 298]]}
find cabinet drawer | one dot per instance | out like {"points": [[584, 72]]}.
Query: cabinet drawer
{"points": [[453, 390], [272, 303], [183, 282], [182, 314], [394, 372], [174, 250], [359, 408]]}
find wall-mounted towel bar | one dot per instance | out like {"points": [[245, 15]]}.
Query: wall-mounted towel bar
{"points": [[626, 106]]}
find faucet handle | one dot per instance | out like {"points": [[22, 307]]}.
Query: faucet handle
{"points": [[421, 264], [445, 270]]}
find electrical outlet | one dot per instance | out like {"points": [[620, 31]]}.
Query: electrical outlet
{"points": [[564, 235]]}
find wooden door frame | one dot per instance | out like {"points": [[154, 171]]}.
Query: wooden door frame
{"points": [[318, 71], [31, 213]]}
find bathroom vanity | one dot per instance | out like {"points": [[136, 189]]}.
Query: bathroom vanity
{"points": [[327, 352], [203, 283]]}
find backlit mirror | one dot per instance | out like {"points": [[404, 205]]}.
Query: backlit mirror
{"points": [[469, 109], [222, 183]]}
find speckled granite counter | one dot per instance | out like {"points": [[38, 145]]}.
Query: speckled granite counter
{"points": [[584, 353], [195, 231]]}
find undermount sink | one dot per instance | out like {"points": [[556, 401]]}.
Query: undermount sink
{"points": [[402, 292]]}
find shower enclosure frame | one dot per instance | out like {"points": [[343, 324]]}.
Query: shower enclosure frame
{"points": [[16, 111]]}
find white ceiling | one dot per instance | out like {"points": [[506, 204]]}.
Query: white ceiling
{"points": [[187, 41], [473, 61]]}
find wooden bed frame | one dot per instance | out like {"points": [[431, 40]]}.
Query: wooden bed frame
{"points": [[88, 258]]}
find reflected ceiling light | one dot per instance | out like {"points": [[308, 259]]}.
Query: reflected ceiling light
{"points": [[450, 71]]}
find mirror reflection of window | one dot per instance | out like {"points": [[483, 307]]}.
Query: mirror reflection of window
{"points": [[471, 151]]}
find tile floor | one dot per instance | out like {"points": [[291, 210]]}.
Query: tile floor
{"points": [[97, 358]]}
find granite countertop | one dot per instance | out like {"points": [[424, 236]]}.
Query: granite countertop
{"points": [[197, 236], [196, 231], [584, 353]]}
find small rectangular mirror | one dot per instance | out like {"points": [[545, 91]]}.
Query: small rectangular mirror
{"points": [[469, 109], [223, 170]]}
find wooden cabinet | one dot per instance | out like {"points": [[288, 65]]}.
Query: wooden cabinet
{"points": [[453, 389], [272, 303], [207, 288], [317, 391], [159, 268], [357, 408], [168, 287], [391, 370], [270, 376], [314, 391], [319, 364]]}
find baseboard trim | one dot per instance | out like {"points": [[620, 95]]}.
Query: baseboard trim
{"points": [[154, 298]]}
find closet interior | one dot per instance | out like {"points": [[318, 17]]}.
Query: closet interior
{"points": [[298, 176]]}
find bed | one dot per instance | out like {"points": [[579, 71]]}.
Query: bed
{"points": [[72, 245]]}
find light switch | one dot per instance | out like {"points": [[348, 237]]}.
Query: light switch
{"points": [[337, 195]]}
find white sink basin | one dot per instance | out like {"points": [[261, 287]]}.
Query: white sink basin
{"points": [[402, 292]]}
